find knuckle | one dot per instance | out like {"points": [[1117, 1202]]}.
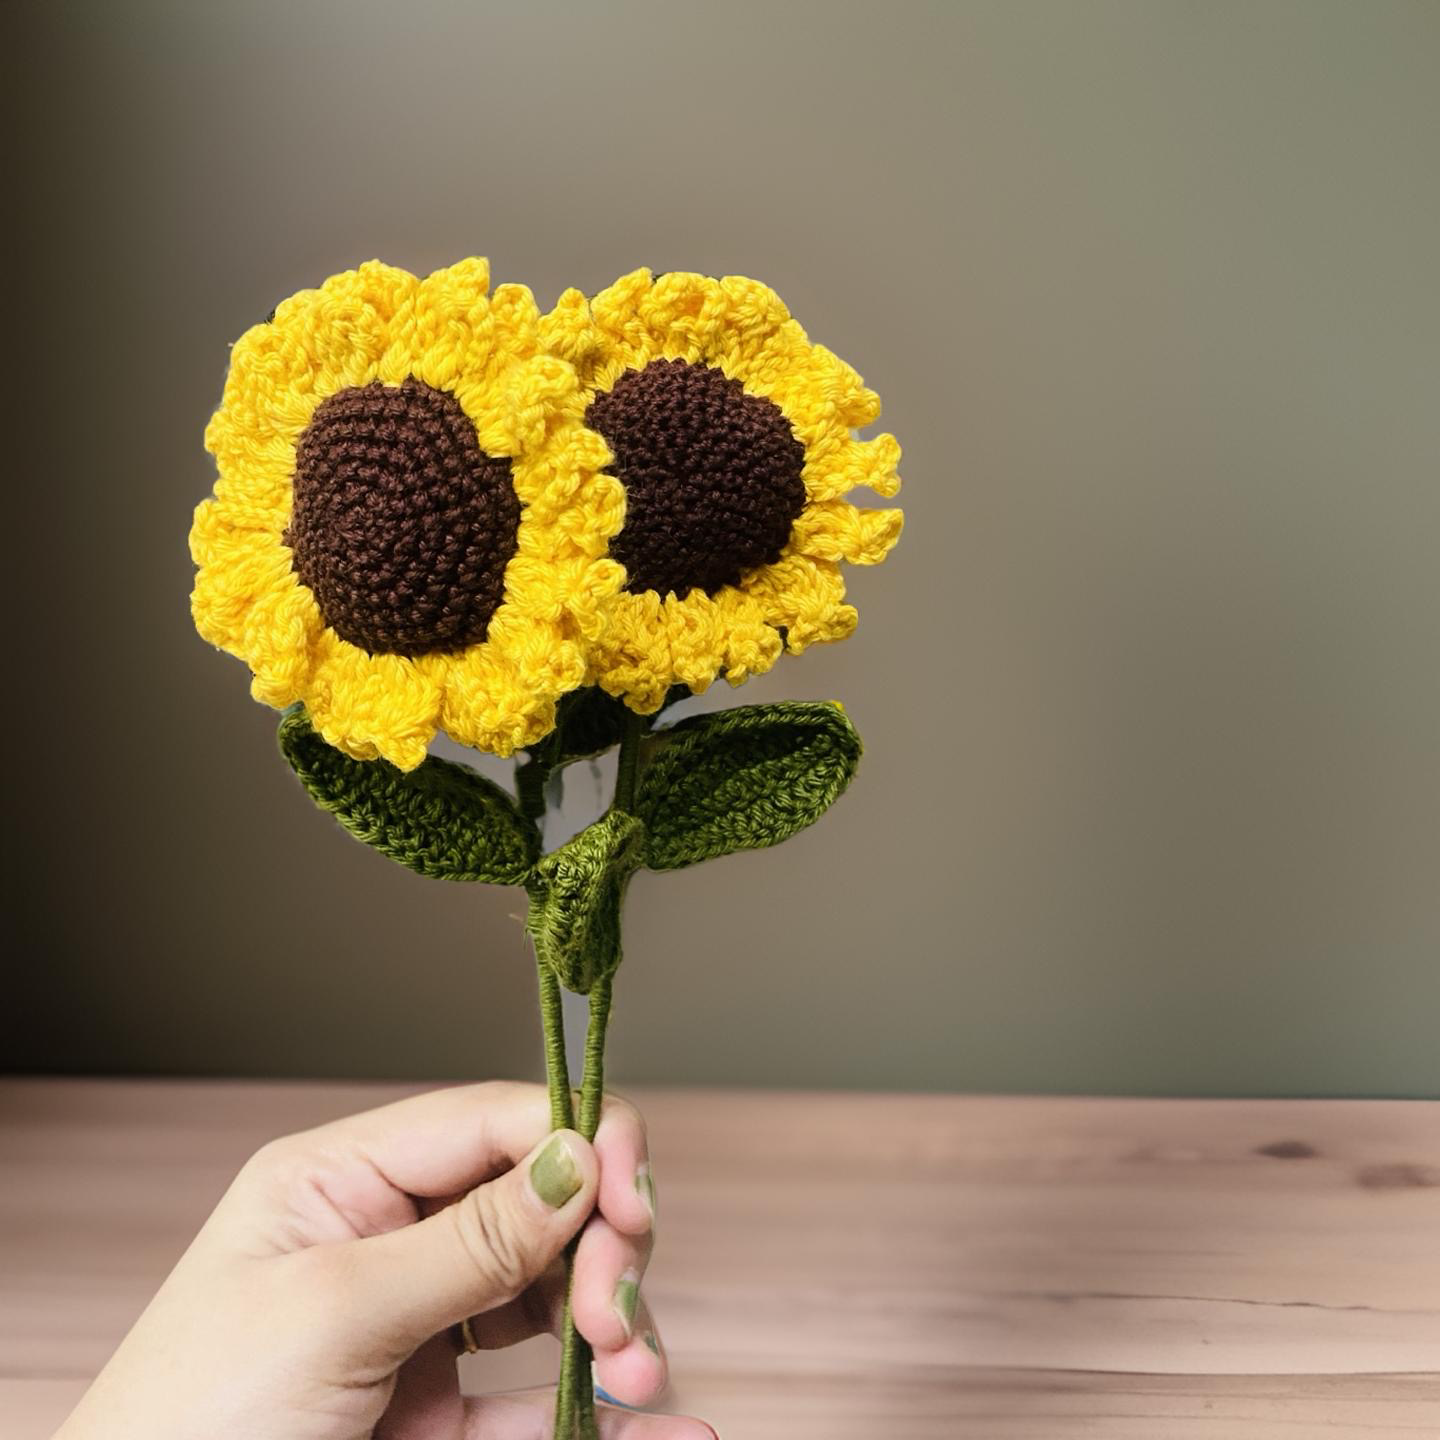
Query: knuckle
{"points": [[275, 1159], [495, 1251]]}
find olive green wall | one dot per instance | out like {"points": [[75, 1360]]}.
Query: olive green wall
{"points": [[1152, 793]]}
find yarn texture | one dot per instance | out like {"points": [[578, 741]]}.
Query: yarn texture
{"points": [[438, 509], [743, 779], [685, 618], [441, 819], [381, 654], [711, 475], [401, 525]]}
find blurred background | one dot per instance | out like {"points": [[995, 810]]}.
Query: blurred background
{"points": [[1150, 690]]}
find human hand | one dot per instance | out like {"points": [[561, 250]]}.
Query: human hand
{"points": [[320, 1299]]}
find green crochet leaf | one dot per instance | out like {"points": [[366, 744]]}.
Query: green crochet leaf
{"points": [[440, 819], [575, 897], [743, 779]]}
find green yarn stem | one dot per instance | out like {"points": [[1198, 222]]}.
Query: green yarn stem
{"points": [[532, 776], [562, 1117], [530, 781], [557, 1071], [629, 762], [592, 1084], [575, 1409], [575, 1398], [568, 1407]]}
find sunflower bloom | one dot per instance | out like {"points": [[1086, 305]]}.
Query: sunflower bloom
{"points": [[409, 531], [733, 435]]}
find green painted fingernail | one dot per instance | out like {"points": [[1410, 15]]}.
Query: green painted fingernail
{"points": [[652, 1344], [554, 1173], [645, 1186], [627, 1297]]}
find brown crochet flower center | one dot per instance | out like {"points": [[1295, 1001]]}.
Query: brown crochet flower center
{"points": [[402, 525], [711, 475]]}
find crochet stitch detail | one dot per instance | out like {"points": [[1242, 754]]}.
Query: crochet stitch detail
{"points": [[402, 526], [743, 779], [441, 820], [449, 331], [712, 476], [698, 326]]}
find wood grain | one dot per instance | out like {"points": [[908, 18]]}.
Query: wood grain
{"points": [[859, 1265]]}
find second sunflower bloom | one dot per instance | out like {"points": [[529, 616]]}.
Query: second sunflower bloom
{"points": [[733, 437]]}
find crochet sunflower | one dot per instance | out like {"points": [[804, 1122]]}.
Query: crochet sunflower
{"points": [[438, 509], [734, 437], [408, 532]]}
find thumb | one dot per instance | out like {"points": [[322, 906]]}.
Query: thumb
{"points": [[479, 1252]]}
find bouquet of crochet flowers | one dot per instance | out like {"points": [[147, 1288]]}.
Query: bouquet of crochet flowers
{"points": [[439, 509]]}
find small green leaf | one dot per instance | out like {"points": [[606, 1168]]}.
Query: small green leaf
{"points": [[440, 819], [743, 779], [575, 897]]}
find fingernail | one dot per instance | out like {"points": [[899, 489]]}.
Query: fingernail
{"points": [[651, 1343], [554, 1175], [627, 1296], [645, 1188]]}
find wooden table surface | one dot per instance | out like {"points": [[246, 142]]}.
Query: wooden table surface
{"points": [[838, 1266]]}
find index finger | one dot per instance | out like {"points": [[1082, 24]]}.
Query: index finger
{"points": [[627, 1192], [438, 1144]]}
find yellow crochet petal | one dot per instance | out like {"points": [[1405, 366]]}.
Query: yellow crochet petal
{"points": [[631, 658], [486, 380], [616, 310], [811, 395], [372, 706], [237, 567], [852, 402], [500, 697], [563, 474], [756, 314], [254, 488], [336, 336], [538, 581], [836, 530], [751, 645], [694, 637], [805, 598], [650, 645], [567, 332], [873, 464], [213, 534], [448, 330], [536, 395], [762, 366], [281, 632], [319, 341], [685, 316], [589, 597], [594, 517], [517, 320]]}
